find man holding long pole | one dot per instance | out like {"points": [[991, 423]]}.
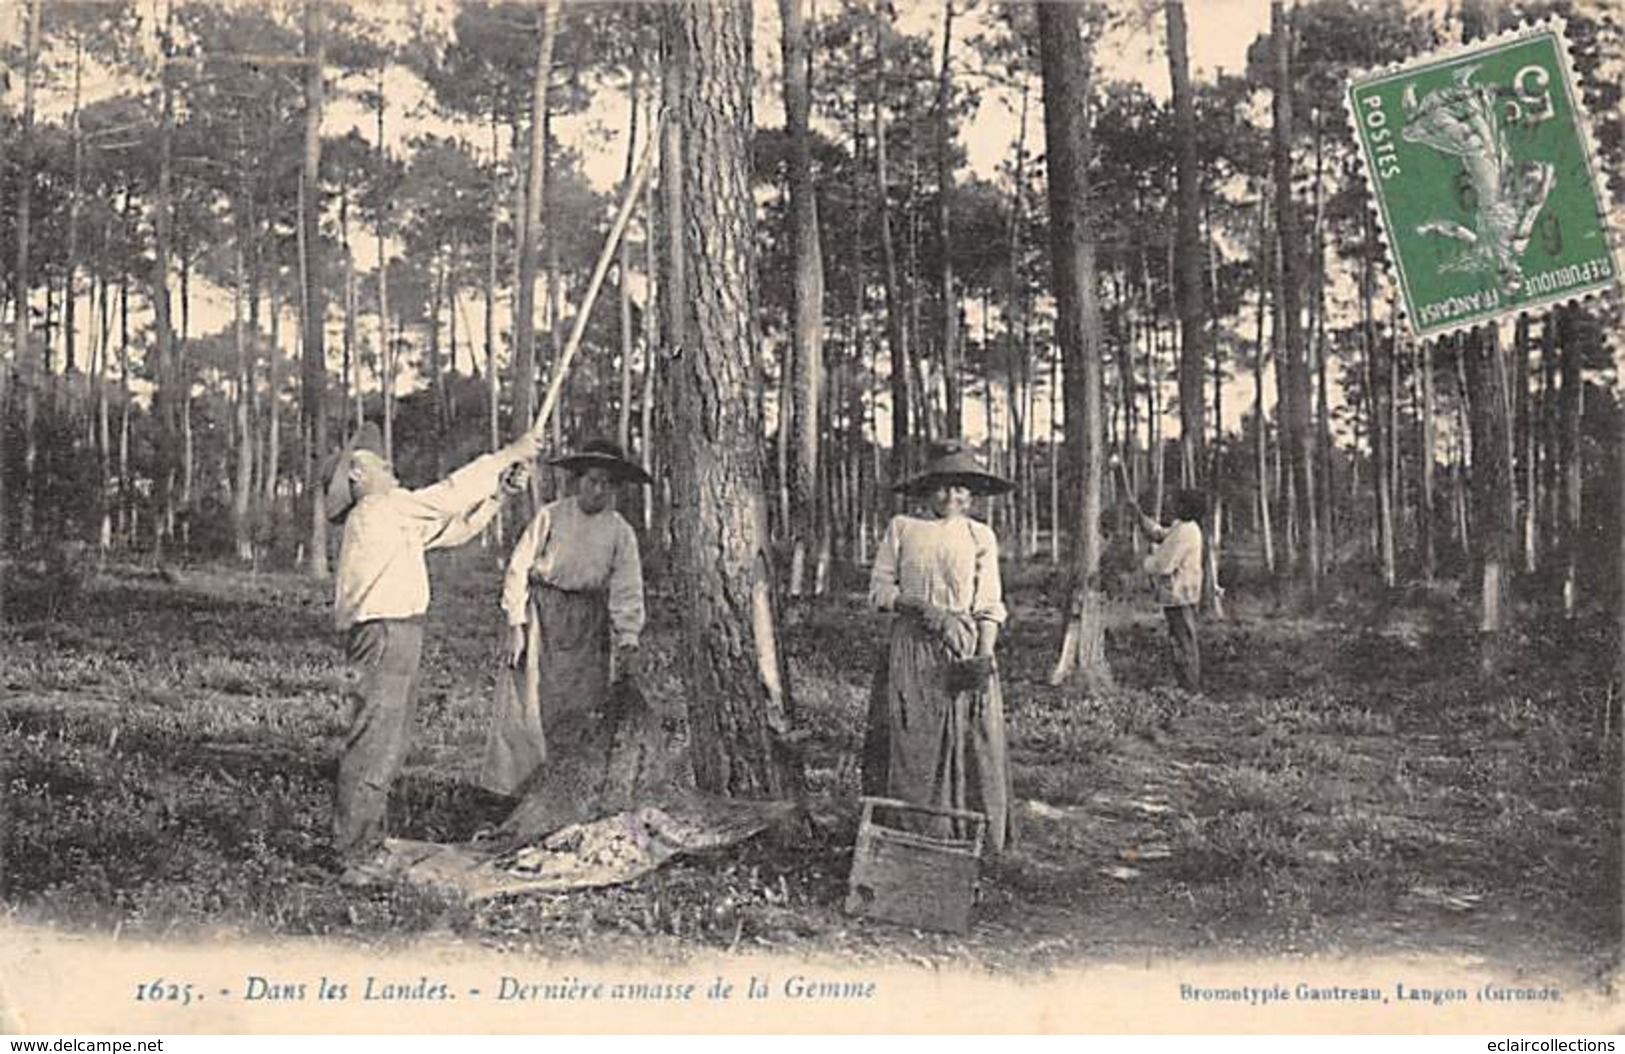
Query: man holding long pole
{"points": [[381, 592], [1175, 569]]}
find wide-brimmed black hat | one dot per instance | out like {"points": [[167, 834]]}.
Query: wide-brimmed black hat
{"points": [[607, 455], [951, 465], [338, 498]]}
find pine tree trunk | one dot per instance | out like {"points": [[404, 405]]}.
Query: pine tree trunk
{"points": [[1266, 258], [1464, 446], [1550, 443], [1296, 434], [1376, 381], [1067, 73], [20, 288], [1319, 355], [350, 370], [896, 330], [104, 424], [737, 687], [651, 342], [273, 399], [1015, 294], [1427, 445], [623, 420], [1187, 274], [75, 193], [1212, 552], [386, 350], [313, 379], [184, 382], [530, 228], [165, 392], [672, 282], [1571, 404], [806, 351], [1054, 458], [1492, 477], [436, 368], [125, 488], [1491, 416], [1528, 494], [241, 496], [948, 291], [493, 383], [556, 306]]}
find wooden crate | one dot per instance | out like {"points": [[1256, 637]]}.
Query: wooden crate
{"points": [[913, 878]]}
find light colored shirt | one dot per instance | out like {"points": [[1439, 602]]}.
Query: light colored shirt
{"points": [[951, 564], [381, 572], [576, 552], [1175, 565]]}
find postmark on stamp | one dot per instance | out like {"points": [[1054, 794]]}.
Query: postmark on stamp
{"points": [[1487, 185]]}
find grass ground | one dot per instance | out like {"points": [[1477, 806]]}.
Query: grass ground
{"points": [[1350, 783]]}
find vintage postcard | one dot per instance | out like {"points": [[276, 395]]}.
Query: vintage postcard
{"points": [[867, 516]]}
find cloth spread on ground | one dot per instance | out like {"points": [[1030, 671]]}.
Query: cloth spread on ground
{"points": [[606, 852], [614, 801]]}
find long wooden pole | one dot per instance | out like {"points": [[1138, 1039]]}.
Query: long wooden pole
{"points": [[578, 328]]}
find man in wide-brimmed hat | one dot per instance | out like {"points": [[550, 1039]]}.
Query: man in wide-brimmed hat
{"points": [[936, 734], [380, 594], [573, 597]]}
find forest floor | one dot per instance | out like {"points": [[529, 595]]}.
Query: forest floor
{"points": [[1350, 783]]}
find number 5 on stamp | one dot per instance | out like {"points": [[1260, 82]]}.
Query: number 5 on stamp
{"points": [[1486, 181]]}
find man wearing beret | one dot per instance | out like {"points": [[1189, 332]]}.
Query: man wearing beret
{"points": [[380, 594]]}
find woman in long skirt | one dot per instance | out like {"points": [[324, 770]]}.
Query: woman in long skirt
{"points": [[573, 597], [936, 734]]}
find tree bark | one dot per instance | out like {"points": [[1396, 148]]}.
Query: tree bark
{"points": [[1489, 395], [183, 377], [807, 346], [1426, 454], [1491, 476], [313, 382], [623, 420], [1297, 436], [493, 384], [651, 342], [20, 284], [737, 687], [954, 425], [530, 228], [75, 193], [1528, 492], [1015, 363], [1325, 490], [1266, 279], [386, 349], [1067, 71], [241, 497], [1571, 404], [1376, 381], [164, 393], [272, 459], [1187, 276], [896, 330]]}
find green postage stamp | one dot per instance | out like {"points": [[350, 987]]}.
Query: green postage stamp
{"points": [[1486, 180]]}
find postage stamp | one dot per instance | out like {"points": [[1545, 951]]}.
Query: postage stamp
{"points": [[1487, 184]]}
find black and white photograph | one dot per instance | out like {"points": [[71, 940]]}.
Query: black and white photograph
{"points": [[808, 516]]}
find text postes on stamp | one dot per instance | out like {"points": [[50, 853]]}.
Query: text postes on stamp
{"points": [[1487, 187]]}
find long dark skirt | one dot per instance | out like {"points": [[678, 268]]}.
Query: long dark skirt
{"points": [[929, 745], [573, 660], [539, 709]]}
